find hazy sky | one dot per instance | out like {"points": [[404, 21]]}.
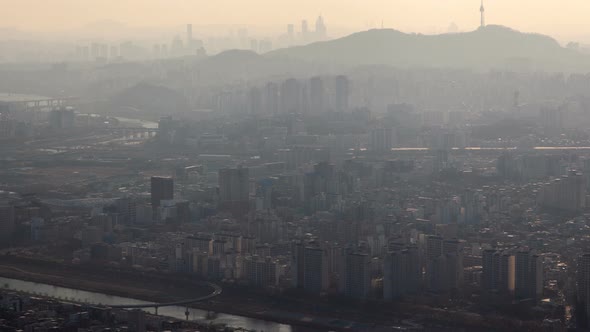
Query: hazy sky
{"points": [[560, 18]]}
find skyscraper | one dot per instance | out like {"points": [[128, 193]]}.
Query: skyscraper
{"points": [[304, 30], [162, 188], [320, 28], [189, 34]]}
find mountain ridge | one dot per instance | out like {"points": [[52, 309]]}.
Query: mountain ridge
{"points": [[492, 46]]}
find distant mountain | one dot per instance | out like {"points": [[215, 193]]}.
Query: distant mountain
{"points": [[489, 47]]}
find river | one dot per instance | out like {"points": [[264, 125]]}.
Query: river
{"points": [[177, 312]]}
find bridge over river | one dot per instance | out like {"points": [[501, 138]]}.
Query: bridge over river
{"points": [[216, 290]]}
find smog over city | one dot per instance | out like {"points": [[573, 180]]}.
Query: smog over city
{"points": [[294, 166]]}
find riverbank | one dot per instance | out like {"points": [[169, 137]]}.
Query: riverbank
{"points": [[304, 313], [162, 288], [141, 289]]}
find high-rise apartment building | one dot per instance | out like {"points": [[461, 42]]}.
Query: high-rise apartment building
{"points": [[271, 98], [261, 272], [355, 278], [291, 93], [528, 276], [382, 139], [342, 94], [401, 273], [162, 188], [315, 270], [499, 271], [7, 222], [317, 93], [234, 190], [583, 290]]}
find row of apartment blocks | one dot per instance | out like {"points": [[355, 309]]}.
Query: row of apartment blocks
{"points": [[318, 268], [227, 256], [390, 270], [433, 264], [513, 272]]}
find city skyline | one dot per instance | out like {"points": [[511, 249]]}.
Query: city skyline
{"points": [[290, 166], [562, 21]]}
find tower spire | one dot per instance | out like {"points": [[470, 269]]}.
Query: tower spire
{"points": [[483, 15]]}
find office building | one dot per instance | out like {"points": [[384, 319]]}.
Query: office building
{"points": [[304, 30], [189, 34], [321, 32]]}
